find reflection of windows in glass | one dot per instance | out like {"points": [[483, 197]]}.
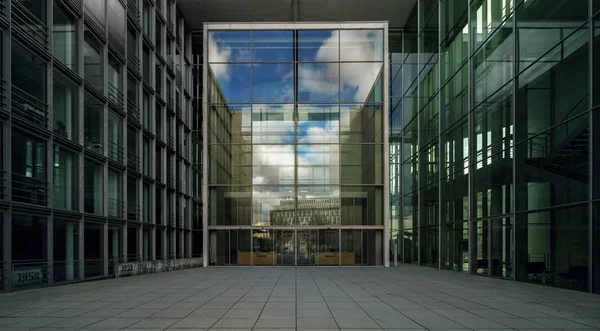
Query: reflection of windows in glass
{"points": [[65, 179], [146, 17], [93, 124], [230, 82], [361, 45], [132, 199], [318, 124], [93, 188], [93, 70], [65, 107], [64, 37], [158, 36], [147, 64], [115, 243], [116, 22], [360, 82], [146, 214]]}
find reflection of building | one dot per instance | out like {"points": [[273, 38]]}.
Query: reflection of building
{"points": [[315, 211]]}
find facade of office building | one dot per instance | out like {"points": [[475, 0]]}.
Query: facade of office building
{"points": [[462, 135], [96, 129]]}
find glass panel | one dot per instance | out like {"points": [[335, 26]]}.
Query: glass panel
{"points": [[552, 247], [93, 249], [219, 247], [229, 83], [28, 73], [65, 107], [262, 243], [93, 188], [360, 82], [358, 163], [352, 247], [372, 247], [229, 46], [361, 45], [318, 164], [318, 45], [272, 124], [329, 247], [244, 254], [272, 46], [502, 244], [272, 83], [318, 205], [307, 247], [411, 250], [486, 17], [64, 37], [29, 238], [93, 133], [65, 250], [318, 124], [230, 206], [66, 174], [361, 123], [456, 246], [285, 242], [273, 205], [362, 205], [273, 164], [93, 70], [319, 82], [228, 124]]}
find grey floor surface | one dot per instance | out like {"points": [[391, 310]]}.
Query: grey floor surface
{"points": [[407, 297]]}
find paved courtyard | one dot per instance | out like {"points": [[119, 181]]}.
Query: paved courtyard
{"points": [[406, 297]]}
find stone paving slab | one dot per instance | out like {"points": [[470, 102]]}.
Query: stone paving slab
{"points": [[311, 299]]}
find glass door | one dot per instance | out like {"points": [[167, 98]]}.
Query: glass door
{"points": [[307, 247], [284, 247], [329, 247]]}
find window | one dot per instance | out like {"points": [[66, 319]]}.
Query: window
{"points": [[147, 65], [146, 17], [93, 188], [115, 200], [132, 98], [93, 249], [29, 237], [114, 82], [146, 110], [65, 107], [158, 34], [29, 169], [115, 137], [158, 122], [93, 124], [65, 250], [65, 179], [132, 199], [29, 78], [93, 70], [64, 38], [158, 73], [146, 156], [146, 204]]}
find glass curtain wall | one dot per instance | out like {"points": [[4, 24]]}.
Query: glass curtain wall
{"points": [[490, 110], [295, 140]]}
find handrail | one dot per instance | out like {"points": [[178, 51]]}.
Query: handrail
{"points": [[132, 59], [24, 188], [133, 109], [115, 95], [133, 161], [2, 184], [115, 151], [135, 214], [29, 107], [115, 207], [541, 144], [26, 21]]}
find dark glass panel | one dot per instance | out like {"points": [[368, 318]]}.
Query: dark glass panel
{"points": [[455, 240], [230, 205], [362, 205], [358, 164]]}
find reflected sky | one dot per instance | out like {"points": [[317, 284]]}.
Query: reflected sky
{"points": [[289, 107]]}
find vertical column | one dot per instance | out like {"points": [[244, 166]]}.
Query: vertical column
{"points": [[386, 154], [204, 153], [105, 248], [50, 146], [81, 249], [115, 244]]}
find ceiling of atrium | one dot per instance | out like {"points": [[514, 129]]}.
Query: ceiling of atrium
{"points": [[197, 12]]}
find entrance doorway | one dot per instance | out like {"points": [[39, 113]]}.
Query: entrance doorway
{"points": [[307, 247], [285, 247]]}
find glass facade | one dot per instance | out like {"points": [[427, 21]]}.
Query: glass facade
{"points": [[295, 140], [491, 113]]}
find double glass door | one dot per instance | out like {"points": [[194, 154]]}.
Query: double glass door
{"points": [[306, 247]]}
